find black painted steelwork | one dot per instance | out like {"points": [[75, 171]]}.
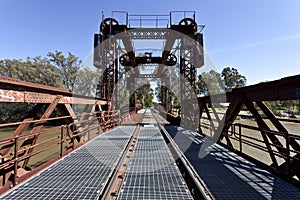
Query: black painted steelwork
{"points": [[110, 58], [148, 58]]}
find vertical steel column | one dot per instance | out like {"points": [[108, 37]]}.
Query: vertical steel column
{"points": [[165, 89], [116, 72], [108, 79], [187, 84], [131, 87]]}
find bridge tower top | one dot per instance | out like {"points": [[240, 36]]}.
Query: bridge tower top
{"points": [[117, 45], [119, 21]]}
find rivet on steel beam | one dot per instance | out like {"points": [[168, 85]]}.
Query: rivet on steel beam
{"points": [[121, 176], [114, 194]]}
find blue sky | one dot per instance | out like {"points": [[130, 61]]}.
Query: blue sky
{"points": [[261, 38]]}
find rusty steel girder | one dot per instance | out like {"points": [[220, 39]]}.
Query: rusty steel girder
{"points": [[276, 140], [17, 91], [45, 100], [106, 56]]}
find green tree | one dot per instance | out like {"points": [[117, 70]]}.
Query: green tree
{"points": [[43, 72], [55, 70], [170, 79], [210, 83], [36, 70], [68, 67], [19, 69], [86, 82], [232, 79], [214, 83], [145, 94], [148, 98]]}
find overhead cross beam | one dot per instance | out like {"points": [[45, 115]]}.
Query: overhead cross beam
{"points": [[112, 31]]}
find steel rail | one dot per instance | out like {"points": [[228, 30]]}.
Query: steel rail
{"points": [[114, 183], [195, 184]]}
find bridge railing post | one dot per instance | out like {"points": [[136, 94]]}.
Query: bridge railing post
{"points": [[61, 141], [89, 126], [71, 137], [98, 128], [287, 139], [240, 138], [16, 149]]}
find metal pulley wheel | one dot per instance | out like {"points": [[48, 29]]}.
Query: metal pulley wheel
{"points": [[188, 22], [124, 60], [171, 59], [107, 22]]}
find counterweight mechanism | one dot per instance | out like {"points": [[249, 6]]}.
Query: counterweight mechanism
{"points": [[182, 47]]}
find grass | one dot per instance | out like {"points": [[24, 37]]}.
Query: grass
{"points": [[50, 153]]}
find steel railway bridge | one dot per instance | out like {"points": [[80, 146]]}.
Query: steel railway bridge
{"points": [[208, 149]]}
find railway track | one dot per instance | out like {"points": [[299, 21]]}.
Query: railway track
{"points": [[115, 181]]}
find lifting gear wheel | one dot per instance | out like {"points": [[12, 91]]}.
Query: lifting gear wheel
{"points": [[124, 60], [188, 22], [171, 59], [107, 22]]}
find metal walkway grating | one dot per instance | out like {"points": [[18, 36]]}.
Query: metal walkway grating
{"points": [[80, 175], [227, 175], [152, 172]]}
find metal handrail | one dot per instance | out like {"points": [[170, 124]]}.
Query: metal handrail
{"points": [[259, 144], [60, 139], [147, 18]]}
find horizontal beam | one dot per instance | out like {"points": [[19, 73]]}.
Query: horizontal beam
{"points": [[148, 33], [283, 89], [146, 76], [13, 96], [17, 91], [16, 84]]}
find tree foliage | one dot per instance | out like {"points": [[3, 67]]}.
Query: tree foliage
{"points": [[86, 82], [68, 67], [145, 94], [169, 80], [232, 79], [55, 70], [287, 108], [215, 83], [210, 83], [36, 70]]}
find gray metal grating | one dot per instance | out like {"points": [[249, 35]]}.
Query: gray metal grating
{"points": [[152, 172], [227, 175], [80, 175]]}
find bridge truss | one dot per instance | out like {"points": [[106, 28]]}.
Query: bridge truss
{"points": [[181, 46], [268, 137], [115, 56]]}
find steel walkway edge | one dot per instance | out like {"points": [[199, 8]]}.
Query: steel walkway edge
{"points": [[80, 175], [227, 175]]}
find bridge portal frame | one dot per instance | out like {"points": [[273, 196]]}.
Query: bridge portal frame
{"points": [[189, 55]]}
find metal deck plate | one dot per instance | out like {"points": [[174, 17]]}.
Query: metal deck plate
{"points": [[80, 175], [152, 172], [227, 175]]}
